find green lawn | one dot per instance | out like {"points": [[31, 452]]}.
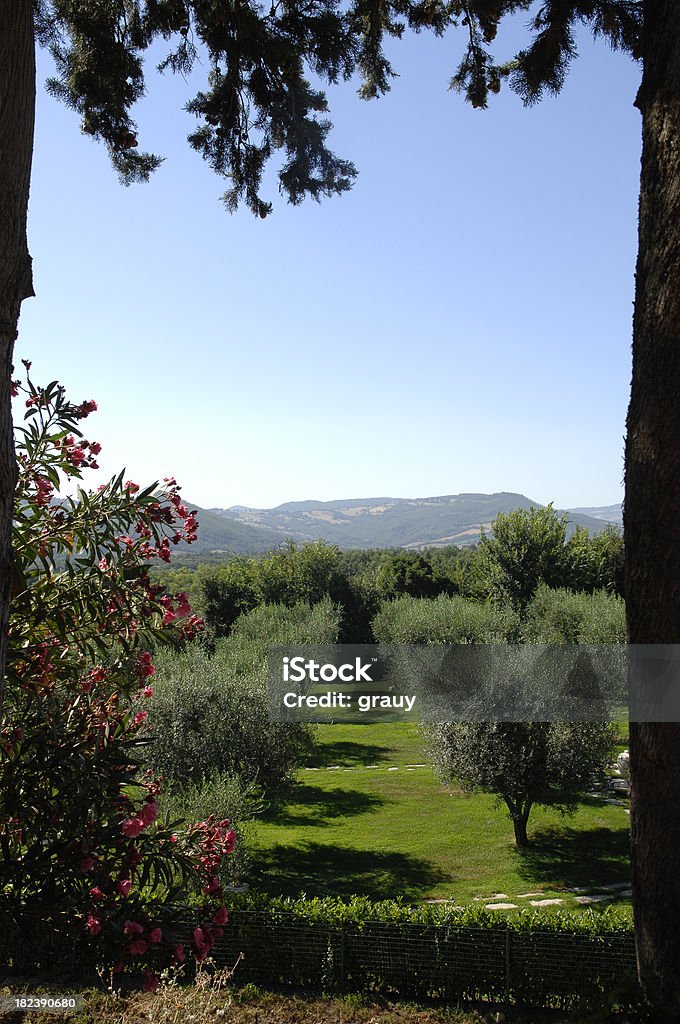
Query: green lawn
{"points": [[363, 830]]}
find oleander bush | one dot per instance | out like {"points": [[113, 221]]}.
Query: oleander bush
{"points": [[87, 869]]}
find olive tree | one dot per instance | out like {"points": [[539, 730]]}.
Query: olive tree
{"points": [[523, 763]]}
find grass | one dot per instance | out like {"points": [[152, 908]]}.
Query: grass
{"points": [[352, 829], [212, 998]]}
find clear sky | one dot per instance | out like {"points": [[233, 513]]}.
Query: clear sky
{"points": [[460, 321]]}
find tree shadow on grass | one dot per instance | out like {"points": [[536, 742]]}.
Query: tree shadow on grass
{"points": [[312, 805], [318, 870], [347, 752], [573, 857]]}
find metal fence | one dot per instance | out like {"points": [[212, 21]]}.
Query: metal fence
{"points": [[424, 961]]}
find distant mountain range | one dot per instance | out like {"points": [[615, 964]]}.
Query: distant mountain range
{"points": [[608, 513], [372, 522]]}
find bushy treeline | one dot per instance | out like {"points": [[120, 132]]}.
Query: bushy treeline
{"points": [[526, 549], [552, 616]]}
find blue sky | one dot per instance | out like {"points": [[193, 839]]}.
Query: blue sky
{"points": [[460, 321]]}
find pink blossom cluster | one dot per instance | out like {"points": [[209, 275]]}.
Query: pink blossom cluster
{"points": [[75, 452], [87, 664]]}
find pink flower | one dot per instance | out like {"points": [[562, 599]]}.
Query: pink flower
{"points": [[147, 691], [132, 928], [221, 917], [179, 953], [86, 864], [93, 925], [151, 981], [96, 893], [138, 947], [212, 885], [155, 935], [145, 668], [131, 827], [149, 813], [85, 408], [124, 886], [202, 943], [140, 717]]}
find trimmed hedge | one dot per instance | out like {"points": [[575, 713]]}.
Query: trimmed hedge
{"points": [[566, 960]]}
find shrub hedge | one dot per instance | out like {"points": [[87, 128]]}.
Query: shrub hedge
{"points": [[563, 959]]}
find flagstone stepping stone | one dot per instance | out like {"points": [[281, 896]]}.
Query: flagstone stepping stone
{"points": [[614, 886], [546, 903], [500, 906], [593, 899], [416, 766], [396, 769], [527, 895], [580, 889]]}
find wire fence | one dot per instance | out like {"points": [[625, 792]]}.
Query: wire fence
{"points": [[462, 963]]}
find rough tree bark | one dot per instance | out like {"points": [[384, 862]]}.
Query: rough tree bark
{"points": [[652, 502], [17, 115]]}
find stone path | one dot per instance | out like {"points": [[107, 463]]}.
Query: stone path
{"points": [[582, 895]]}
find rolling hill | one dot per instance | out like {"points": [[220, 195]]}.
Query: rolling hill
{"points": [[371, 522]]}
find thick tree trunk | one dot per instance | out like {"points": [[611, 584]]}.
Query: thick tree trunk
{"points": [[652, 503], [17, 113]]}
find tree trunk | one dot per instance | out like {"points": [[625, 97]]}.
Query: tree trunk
{"points": [[652, 503], [17, 114], [520, 817], [521, 837]]}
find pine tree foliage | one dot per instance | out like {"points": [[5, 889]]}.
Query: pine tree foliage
{"points": [[260, 98]]}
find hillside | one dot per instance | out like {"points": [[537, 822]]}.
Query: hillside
{"points": [[608, 513], [216, 533], [378, 522]]}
